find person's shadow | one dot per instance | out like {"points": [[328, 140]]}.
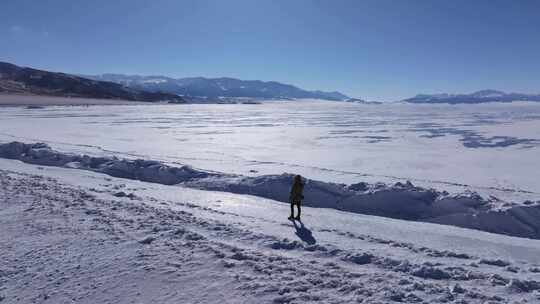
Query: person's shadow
{"points": [[303, 233]]}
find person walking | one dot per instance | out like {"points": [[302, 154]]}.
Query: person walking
{"points": [[296, 196]]}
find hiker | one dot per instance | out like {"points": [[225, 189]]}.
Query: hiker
{"points": [[296, 196]]}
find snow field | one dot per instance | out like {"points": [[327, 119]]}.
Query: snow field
{"points": [[401, 200], [94, 238]]}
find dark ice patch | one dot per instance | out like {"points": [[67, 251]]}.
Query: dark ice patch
{"points": [[472, 139]]}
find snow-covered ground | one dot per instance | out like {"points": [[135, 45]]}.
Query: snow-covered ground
{"points": [[401, 200], [85, 237], [490, 148], [110, 213]]}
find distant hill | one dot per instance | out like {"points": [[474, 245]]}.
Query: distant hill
{"points": [[22, 80], [476, 97], [216, 87], [361, 101]]}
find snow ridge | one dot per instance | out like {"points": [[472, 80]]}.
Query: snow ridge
{"points": [[401, 200]]}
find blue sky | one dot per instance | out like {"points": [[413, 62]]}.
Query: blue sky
{"points": [[384, 50]]}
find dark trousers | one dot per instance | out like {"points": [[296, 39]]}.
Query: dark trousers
{"points": [[298, 207]]}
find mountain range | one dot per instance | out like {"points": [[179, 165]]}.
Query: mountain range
{"points": [[216, 87], [22, 80], [476, 97]]}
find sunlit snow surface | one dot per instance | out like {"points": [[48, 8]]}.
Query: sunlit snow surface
{"points": [[490, 148]]}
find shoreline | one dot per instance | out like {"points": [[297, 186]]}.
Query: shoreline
{"points": [[15, 100], [38, 101]]}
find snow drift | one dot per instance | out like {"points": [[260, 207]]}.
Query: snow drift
{"points": [[401, 200]]}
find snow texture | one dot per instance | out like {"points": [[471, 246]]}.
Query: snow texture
{"points": [[66, 237], [401, 200], [491, 149]]}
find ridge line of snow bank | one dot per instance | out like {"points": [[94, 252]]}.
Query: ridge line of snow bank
{"points": [[401, 200]]}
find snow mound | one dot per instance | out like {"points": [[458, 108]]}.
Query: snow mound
{"points": [[144, 170], [428, 272], [401, 200]]}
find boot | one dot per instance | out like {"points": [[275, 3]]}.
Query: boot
{"points": [[291, 217], [298, 215]]}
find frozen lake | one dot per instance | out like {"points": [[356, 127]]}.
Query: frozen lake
{"points": [[490, 148]]}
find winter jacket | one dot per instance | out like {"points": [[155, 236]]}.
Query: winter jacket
{"points": [[296, 193]]}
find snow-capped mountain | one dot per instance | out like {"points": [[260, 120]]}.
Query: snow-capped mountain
{"points": [[216, 87], [22, 80], [476, 97]]}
